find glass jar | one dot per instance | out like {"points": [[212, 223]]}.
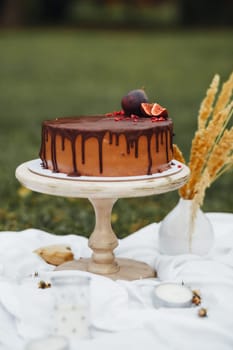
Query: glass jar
{"points": [[71, 312]]}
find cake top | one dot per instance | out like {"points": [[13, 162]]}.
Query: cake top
{"points": [[136, 112], [104, 123]]}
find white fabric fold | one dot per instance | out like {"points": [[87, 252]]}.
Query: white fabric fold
{"points": [[123, 313]]}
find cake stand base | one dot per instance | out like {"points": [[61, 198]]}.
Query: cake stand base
{"points": [[128, 269]]}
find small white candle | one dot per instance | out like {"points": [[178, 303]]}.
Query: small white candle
{"points": [[51, 343], [173, 295]]}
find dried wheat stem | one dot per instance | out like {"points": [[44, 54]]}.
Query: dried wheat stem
{"points": [[228, 166], [177, 154], [225, 95], [219, 123], [212, 146], [200, 149], [221, 155], [200, 190], [206, 105]]}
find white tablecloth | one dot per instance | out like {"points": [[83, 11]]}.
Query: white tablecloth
{"points": [[122, 312]]}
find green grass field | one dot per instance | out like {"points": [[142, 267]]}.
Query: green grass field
{"points": [[56, 73]]}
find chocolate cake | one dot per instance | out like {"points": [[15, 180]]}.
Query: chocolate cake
{"points": [[110, 145]]}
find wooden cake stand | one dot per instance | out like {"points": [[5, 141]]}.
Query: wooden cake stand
{"points": [[103, 194]]}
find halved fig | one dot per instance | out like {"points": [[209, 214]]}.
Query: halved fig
{"points": [[158, 111], [146, 109]]}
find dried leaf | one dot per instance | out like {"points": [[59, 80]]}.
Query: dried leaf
{"points": [[55, 254]]}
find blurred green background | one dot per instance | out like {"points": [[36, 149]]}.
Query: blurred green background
{"points": [[81, 59]]}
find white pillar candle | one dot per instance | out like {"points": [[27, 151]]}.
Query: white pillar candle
{"points": [[172, 295], [51, 343]]}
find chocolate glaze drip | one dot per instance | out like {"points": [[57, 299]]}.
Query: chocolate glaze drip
{"points": [[44, 138], [149, 154], [63, 143], [163, 132], [53, 152]]}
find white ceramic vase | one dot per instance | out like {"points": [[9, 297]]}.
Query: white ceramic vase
{"points": [[180, 234]]}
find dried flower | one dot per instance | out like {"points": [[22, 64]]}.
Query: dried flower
{"points": [[196, 300], [196, 292], [211, 152], [202, 312], [196, 297], [55, 254], [43, 284]]}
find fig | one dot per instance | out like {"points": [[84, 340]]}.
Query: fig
{"points": [[131, 103], [153, 110], [146, 109], [158, 111]]}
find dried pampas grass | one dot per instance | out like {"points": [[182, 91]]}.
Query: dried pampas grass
{"points": [[212, 146]]}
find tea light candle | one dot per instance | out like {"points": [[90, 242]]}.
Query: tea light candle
{"points": [[173, 295], [51, 343]]}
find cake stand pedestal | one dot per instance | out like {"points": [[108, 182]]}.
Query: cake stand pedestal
{"points": [[103, 195]]}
